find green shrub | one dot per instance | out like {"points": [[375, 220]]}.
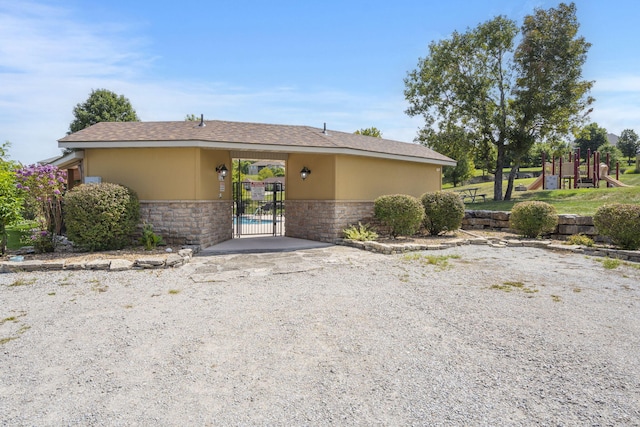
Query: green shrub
{"points": [[403, 214], [10, 202], [362, 232], [533, 218], [442, 212], [41, 240], [621, 223], [101, 216], [149, 238], [580, 239]]}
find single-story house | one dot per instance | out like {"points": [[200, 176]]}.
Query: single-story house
{"points": [[176, 170], [256, 167]]}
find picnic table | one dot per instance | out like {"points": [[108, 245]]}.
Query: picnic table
{"points": [[471, 194]]}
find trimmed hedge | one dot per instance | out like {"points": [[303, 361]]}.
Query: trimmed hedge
{"points": [[621, 223], [101, 216], [403, 214], [443, 212], [533, 218]]}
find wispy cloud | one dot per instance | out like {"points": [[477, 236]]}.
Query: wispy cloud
{"points": [[50, 60], [617, 107], [47, 41], [48, 63], [622, 83]]}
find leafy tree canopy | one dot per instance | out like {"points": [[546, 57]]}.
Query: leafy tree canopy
{"points": [[279, 172], [628, 143], [265, 173], [372, 131], [102, 106], [590, 137], [615, 155], [457, 144], [500, 94], [5, 163], [462, 171]]}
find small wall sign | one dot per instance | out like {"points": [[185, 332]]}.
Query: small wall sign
{"points": [[257, 191]]}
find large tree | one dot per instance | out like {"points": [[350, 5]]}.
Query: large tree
{"points": [[102, 106], [453, 142], [372, 131], [628, 144], [590, 138], [505, 96]]}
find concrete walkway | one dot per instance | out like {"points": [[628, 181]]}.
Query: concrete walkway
{"points": [[261, 245]]}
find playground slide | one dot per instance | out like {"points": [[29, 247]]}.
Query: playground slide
{"points": [[611, 180], [536, 184]]}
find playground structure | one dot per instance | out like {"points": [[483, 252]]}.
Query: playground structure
{"points": [[571, 173]]}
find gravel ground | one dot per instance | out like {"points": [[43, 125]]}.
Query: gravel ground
{"points": [[479, 336]]}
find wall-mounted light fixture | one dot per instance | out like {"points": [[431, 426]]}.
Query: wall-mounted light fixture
{"points": [[222, 170], [304, 173]]}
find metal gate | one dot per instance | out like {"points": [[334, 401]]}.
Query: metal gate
{"points": [[258, 209]]}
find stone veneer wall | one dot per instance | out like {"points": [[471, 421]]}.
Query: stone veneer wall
{"points": [[200, 222], [324, 220], [499, 220]]}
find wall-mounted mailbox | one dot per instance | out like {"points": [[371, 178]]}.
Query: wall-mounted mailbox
{"points": [[92, 179]]}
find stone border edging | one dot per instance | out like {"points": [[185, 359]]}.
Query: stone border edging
{"points": [[399, 248], [109, 264]]}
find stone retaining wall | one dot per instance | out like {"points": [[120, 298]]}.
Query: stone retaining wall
{"points": [[170, 260], [399, 248], [568, 225], [324, 220], [199, 223]]}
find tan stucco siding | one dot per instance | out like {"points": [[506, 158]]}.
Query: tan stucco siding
{"points": [[365, 178], [320, 185], [209, 182], [159, 173]]}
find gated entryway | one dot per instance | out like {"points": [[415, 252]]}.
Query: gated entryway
{"points": [[258, 209]]}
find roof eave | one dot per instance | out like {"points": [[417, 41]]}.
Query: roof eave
{"points": [[67, 160], [240, 146]]}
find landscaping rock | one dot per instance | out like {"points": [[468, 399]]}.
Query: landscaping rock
{"points": [[75, 265], [98, 264], [120, 265], [186, 253], [26, 250], [150, 262], [24, 266], [174, 260]]}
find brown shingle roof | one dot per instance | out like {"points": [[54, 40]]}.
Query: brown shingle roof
{"points": [[247, 136]]}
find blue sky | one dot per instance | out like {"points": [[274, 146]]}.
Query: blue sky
{"points": [[285, 62]]}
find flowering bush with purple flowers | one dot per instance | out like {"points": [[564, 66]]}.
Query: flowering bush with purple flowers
{"points": [[41, 240], [43, 187]]}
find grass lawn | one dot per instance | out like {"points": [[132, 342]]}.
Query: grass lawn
{"points": [[15, 234], [583, 201]]}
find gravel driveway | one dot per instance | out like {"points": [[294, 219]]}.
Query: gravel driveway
{"points": [[473, 335]]}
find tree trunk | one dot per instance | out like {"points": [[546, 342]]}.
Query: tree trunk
{"points": [[512, 176], [3, 238], [497, 180]]}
